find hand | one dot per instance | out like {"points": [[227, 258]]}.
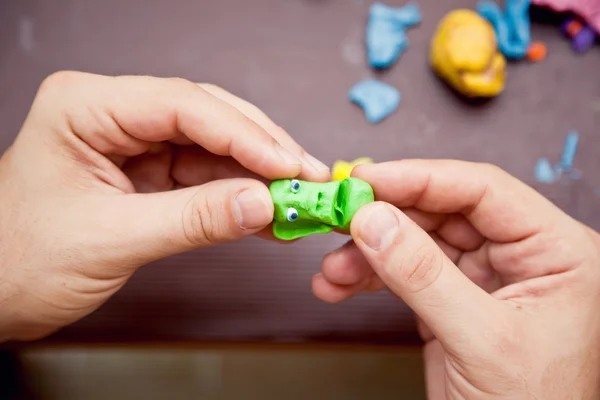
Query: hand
{"points": [[110, 173], [506, 286]]}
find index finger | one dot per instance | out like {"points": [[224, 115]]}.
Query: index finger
{"points": [[499, 206], [118, 115], [312, 169]]}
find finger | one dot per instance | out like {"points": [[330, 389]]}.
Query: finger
{"points": [[120, 115], [333, 293], [454, 229], [458, 232], [157, 225], [312, 169], [451, 252], [476, 266], [499, 206], [193, 165], [427, 221], [346, 266], [410, 263], [149, 172], [330, 292]]}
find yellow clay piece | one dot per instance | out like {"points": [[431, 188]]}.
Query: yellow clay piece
{"points": [[342, 169], [464, 52]]}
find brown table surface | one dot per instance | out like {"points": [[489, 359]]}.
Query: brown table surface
{"points": [[295, 59]]}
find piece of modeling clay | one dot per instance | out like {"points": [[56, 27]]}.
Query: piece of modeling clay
{"points": [[377, 99], [304, 208], [463, 52], [569, 151], [513, 28], [537, 51], [589, 10], [342, 169], [544, 172], [582, 35], [386, 32]]}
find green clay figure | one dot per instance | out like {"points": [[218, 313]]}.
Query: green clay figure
{"points": [[305, 208]]}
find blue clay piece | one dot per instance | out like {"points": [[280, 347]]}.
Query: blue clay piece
{"points": [[544, 172], [377, 99], [569, 151], [386, 32], [513, 28]]}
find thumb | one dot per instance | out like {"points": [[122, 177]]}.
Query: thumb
{"points": [[157, 225], [411, 264]]}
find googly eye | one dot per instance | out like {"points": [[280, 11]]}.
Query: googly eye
{"points": [[292, 214], [295, 185]]}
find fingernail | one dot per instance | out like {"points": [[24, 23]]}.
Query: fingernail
{"points": [[379, 227], [288, 157], [316, 164], [252, 209]]}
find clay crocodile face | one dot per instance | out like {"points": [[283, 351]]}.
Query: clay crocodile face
{"points": [[305, 208]]}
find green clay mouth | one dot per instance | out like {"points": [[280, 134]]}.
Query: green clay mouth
{"points": [[340, 200]]}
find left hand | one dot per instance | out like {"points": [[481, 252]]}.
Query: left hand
{"points": [[111, 173]]}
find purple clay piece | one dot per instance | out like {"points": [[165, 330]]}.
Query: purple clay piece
{"points": [[584, 40], [564, 27]]}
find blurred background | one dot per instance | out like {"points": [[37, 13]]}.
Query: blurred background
{"points": [[239, 321]]}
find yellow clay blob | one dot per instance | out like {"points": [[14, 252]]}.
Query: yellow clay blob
{"points": [[342, 169], [464, 53]]}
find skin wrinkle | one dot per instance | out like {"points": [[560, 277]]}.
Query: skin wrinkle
{"points": [[427, 222], [134, 146], [423, 191], [469, 209], [426, 262], [196, 220], [498, 259], [173, 150], [92, 161]]}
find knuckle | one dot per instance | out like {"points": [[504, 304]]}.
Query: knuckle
{"points": [[421, 269], [199, 223], [182, 83], [491, 169], [59, 80], [298, 150], [211, 87]]}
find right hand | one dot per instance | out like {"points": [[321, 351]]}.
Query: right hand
{"points": [[505, 285]]}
